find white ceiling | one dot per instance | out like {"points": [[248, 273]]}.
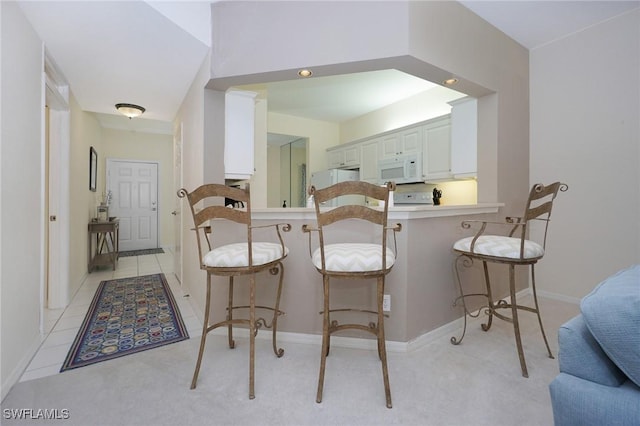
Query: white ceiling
{"points": [[343, 97], [148, 53], [536, 23]]}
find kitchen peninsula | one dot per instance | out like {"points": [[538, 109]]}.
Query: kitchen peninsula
{"points": [[421, 284]]}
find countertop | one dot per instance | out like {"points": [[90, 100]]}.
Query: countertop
{"points": [[399, 212]]}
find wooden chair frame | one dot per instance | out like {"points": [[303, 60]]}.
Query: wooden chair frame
{"points": [[203, 218], [377, 216], [538, 208]]}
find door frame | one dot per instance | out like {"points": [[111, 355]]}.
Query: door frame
{"points": [[54, 287], [177, 212]]}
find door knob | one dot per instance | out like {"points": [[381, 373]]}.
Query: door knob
{"points": [[174, 213], [53, 218]]}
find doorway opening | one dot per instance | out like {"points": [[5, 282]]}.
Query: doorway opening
{"points": [[287, 172]]}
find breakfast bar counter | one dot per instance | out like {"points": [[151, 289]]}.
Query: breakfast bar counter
{"points": [[421, 283]]}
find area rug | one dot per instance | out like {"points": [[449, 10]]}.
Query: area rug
{"points": [[126, 316], [140, 252]]}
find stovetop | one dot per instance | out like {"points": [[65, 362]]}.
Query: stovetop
{"points": [[412, 198]]}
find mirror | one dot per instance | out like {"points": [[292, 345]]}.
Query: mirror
{"points": [[287, 171]]}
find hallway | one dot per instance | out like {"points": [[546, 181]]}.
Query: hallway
{"points": [[62, 325]]}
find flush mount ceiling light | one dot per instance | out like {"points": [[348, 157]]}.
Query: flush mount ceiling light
{"points": [[130, 110], [450, 81], [305, 73]]}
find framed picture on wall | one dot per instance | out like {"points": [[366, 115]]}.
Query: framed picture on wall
{"points": [[93, 169]]}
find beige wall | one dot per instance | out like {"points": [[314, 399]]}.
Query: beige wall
{"points": [[431, 40], [585, 131], [191, 120], [21, 183], [128, 145], [429, 104], [85, 132], [321, 135]]}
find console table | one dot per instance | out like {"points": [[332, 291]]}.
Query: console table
{"points": [[103, 244]]}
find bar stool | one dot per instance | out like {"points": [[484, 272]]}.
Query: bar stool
{"points": [[353, 260], [512, 250], [246, 257]]}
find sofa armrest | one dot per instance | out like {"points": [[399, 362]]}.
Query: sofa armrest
{"points": [[578, 402], [580, 355]]}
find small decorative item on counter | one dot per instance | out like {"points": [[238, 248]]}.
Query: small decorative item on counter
{"points": [[437, 194], [106, 198], [103, 213], [284, 203]]}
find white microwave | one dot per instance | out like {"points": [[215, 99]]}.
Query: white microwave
{"points": [[401, 169]]}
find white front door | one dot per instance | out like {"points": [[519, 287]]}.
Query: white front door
{"points": [[134, 192]]}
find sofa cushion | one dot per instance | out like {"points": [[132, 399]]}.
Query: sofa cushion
{"points": [[580, 355], [612, 314], [578, 402]]}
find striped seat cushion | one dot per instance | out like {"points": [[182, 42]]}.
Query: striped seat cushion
{"points": [[499, 246], [353, 257], [237, 255]]}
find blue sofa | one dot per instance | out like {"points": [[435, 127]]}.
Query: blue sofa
{"points": [[599, 357]]}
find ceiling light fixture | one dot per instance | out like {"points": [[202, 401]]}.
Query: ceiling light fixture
{"points": [[450, 81], [305, 73], [130, 110]]}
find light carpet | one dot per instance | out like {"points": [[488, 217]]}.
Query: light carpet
{"points": [[476, 383]]}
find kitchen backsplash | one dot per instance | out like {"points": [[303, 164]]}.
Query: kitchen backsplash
{"points": [[458, 192]]}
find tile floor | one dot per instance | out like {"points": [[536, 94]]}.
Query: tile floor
{"points": [[62, 325]]}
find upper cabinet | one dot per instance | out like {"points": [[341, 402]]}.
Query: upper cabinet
{"points": [[344, 157], [407, 141], [369, 154], [436, 149], [239, 119], [464, 137], [446, 146]]}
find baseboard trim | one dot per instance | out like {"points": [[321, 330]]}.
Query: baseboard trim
{"points": [[447, 330], [21, 367], [559, 297]]}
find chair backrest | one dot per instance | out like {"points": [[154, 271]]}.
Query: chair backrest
{"points": [[539, 205], [208, 202], [377, 216]]}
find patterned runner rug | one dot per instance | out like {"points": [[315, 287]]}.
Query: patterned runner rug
{"points": [[140, 252], [126, 316]]}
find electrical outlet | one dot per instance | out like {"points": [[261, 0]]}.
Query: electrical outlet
{"points": [[386, 303]]}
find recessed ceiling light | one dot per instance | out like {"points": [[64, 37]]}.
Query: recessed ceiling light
{"points": [[450, 81], [305, 73], [130, 110]]}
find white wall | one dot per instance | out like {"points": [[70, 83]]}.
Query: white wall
{"points": [[21, 217], [585, 114]]}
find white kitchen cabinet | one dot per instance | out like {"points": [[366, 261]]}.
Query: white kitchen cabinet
{"points": [[464, 137], [344, 157], [369, 153], [335, 158], [239, 134], [407, 141], [436, 149]]}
